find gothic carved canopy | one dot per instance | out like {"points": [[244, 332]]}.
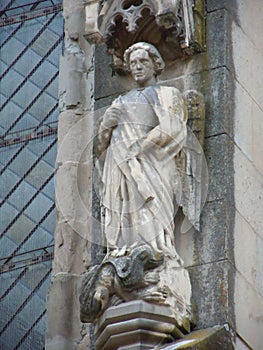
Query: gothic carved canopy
{"points": [[175, 27]]}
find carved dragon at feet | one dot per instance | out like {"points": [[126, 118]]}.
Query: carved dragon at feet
{"points": [[119, 279]]}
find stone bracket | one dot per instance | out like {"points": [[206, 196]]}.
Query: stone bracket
{"points": [[136, 325], [175, 27]]}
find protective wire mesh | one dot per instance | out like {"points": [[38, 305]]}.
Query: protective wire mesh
{"points": [[29, 55]]}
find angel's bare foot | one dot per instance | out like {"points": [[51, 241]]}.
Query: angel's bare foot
{"points": [[151, 277], [156, 296]]}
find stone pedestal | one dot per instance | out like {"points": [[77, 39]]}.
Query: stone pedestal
{"points": [[136, 325]]}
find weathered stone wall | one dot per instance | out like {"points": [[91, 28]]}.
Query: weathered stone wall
{"points": [[224, 259], [248, 161]]}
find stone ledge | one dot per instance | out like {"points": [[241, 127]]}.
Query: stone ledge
{"points": [[216, 338], [138, 325]]}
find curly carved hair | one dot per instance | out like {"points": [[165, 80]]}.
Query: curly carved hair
{"points": [[152, 51]]}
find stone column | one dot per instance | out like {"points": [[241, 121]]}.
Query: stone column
{"points": [[73, 183]]}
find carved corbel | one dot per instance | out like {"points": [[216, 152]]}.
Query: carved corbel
{"points": [[175, 27], [167, 14], [92, 32]]}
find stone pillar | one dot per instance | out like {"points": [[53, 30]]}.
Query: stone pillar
{"points": [[73, 183]]}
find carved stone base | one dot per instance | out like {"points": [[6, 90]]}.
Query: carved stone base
{"points": [[136, 325]]}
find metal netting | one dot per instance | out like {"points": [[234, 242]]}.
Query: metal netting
{"points": [[30, 46], [23, 298]]}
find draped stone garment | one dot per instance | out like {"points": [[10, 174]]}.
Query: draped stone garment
{"points": [[139, 174]]}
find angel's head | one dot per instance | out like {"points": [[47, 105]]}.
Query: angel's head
{"points": [[144, 62]]}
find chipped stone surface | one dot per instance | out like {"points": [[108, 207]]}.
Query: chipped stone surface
{"points": [[63, 324]]}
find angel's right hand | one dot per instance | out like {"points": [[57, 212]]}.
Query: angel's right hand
{"points": [[111, 118], [103, 140]]}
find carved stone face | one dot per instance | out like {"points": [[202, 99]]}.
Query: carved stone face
{"points": [[142, 67]]}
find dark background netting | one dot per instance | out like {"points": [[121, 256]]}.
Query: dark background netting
{"points": [[31, 34]]}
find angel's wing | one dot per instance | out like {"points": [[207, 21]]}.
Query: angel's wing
{"points": [[191, 163]]}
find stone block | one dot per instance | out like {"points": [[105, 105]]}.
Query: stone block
{"points": [[72, 77], [219, 156], [218, 40], [212, 287], [249, 192], [248, 15], [216, 338], [67, 243], [73, 205], [213, 242], [74, 18], [71, 6], [243, 122], [245, 249], [257, 131], [249, 312], [63, 323], [75, 137], [248, 75], [218, 88], [215, 5]]}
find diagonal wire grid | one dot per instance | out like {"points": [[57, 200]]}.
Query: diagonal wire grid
{"points": [[29, 58]]}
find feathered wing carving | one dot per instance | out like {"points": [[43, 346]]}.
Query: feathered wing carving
{"points": [[191, 162]]}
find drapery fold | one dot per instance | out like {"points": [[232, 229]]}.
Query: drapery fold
{"points": [[139, 172]]}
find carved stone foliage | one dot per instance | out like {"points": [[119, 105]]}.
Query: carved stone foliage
{"points": [[175, 27]]}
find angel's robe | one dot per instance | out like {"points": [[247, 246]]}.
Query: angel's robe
{"points": [[139, 174]]}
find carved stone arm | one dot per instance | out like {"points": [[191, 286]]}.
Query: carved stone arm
{"points": [[109, 122]]}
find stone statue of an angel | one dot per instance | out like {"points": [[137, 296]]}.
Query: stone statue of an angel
{"points": [[143, 166]]}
